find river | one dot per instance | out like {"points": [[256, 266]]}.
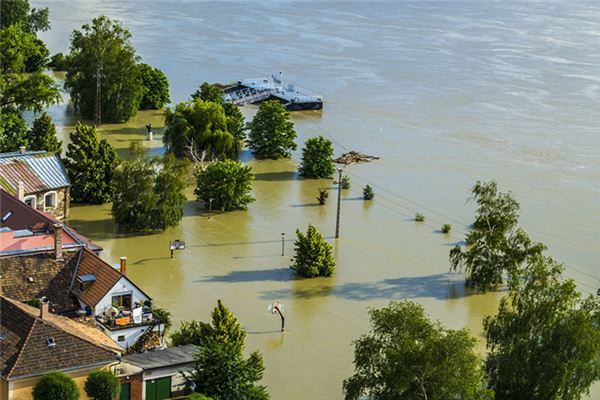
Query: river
{"points": [[446, 93]]}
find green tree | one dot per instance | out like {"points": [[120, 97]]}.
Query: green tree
{"points": [[495, 246], [102, 385], [90, 164], [13, 130], [58, 62], [198, 396], [220, 370], [19, 12], [228, 183], [164, 316], [225, 328], [149, 193], [42, 136], [544, 343], [313, 255], [316, 159], [200, 127], [208, 92], [408, 356], [156, 88], [22, 84], [55, 386], [104, 47], [190, 332], [272, 133]]}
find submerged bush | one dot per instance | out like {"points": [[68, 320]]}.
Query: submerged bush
{"points": [[368, 193], [446, 228], [419, 217]]}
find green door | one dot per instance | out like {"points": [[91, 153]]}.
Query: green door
{"points": [[163, 388], [158, 389], [125, 391]]}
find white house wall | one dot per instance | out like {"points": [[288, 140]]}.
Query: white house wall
{"points": [[123, 286]]}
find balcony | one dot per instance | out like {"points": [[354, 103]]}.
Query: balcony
{"points": [[119, 318]]}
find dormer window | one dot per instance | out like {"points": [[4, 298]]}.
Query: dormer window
{"points": [[50, 342], [31, 201], [50, 200]]}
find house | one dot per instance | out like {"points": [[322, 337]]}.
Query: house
{"points": [[156, 374], [41, 258], [34, 341], [37, 178]]}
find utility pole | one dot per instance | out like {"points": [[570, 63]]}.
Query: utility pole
{"points": [[337, 219], [98, 108]]}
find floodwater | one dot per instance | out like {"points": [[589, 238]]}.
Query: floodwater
{"points": [[444, 92]]}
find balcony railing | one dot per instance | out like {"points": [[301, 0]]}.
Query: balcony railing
{"points": [[123, 319]]}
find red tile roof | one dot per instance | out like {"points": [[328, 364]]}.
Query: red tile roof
{"points": [[106, 278]]}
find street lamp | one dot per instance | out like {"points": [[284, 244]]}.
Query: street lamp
{"points": [[337, 219], [176, 245], [210, 207]]}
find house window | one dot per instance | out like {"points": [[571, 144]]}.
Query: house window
{"points": [[31, 201], [50, 200], [123, 300]]}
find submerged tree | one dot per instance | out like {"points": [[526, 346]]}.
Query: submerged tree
{"points": [[495, 246], [42, 136], [149, 193], [90, 164], [156, 88], [544, 343], [316, 159], [199, 127], [272, 133], [227, 184], [313, 255], [408, 356], [104, 48], [220, 370]]}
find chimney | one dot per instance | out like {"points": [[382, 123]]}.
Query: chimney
{"points": [[58, 228], [44, 308], [22, 149], [20, 191], [123, 267]]}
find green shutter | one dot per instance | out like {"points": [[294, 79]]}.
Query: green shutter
{"points": [[125, 391]]}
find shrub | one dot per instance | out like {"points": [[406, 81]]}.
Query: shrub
{"points": [[346, 182], [198, 396], [446, 228], [56, 386], [102, 385], [419, 217], [313, 255], [228, 183], [368, 193], [316, 159]]}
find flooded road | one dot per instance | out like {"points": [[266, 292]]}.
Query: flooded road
{"points": [[445, 94]]}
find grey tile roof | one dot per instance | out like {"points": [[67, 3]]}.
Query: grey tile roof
{"points": [[47, 167], [170, 356]]}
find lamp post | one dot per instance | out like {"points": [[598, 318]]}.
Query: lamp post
{"points": [[210, 207], [339, 202], [282, 244]]}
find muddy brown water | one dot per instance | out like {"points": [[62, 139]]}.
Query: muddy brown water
{"points": [[444, 93]]}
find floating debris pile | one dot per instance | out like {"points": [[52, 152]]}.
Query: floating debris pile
{"points": [[354, 157]]}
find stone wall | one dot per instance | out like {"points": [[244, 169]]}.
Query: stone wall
{"points": [[61, 210]]}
